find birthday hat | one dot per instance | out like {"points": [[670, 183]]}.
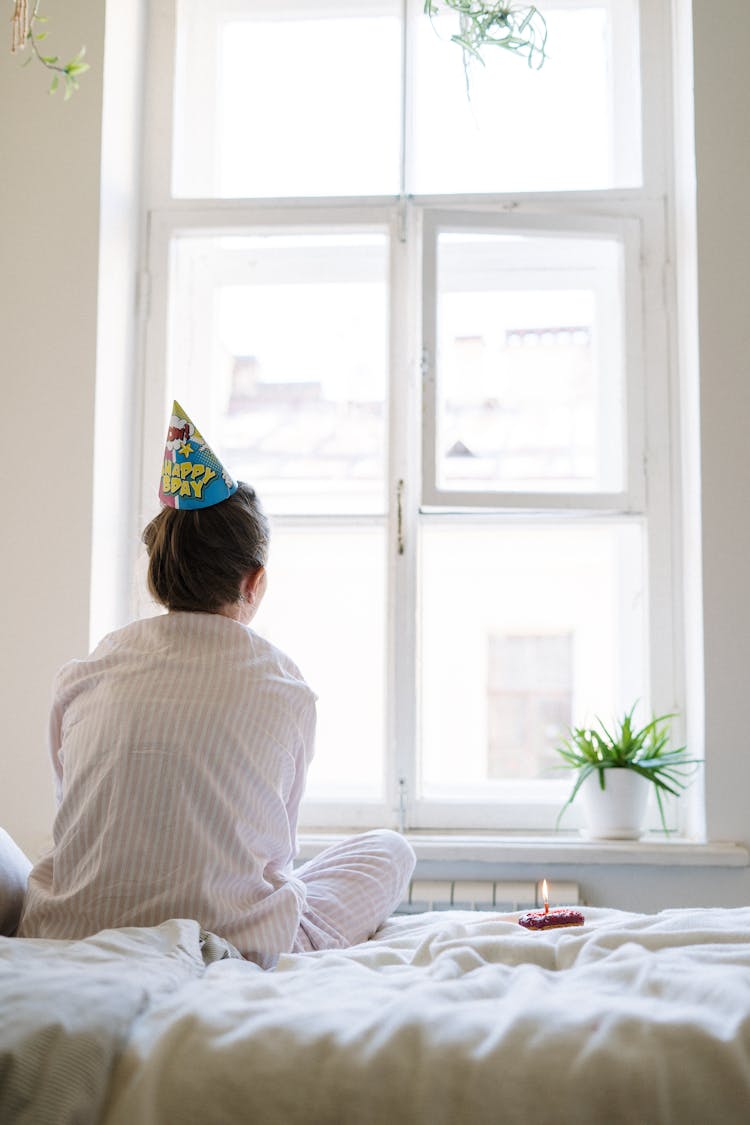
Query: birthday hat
{"points": [[192, 475]]}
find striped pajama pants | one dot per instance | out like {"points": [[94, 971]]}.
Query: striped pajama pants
{"points": [[352, 887]]}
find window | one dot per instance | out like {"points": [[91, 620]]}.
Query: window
{"points": [[529, 701], [432, 332]]}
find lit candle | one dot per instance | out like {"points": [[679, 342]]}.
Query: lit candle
{"points": [[544, 919]]}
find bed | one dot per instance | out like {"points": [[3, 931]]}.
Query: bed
{"points": [[444, 1017]]}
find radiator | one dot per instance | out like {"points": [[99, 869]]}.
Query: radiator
{"points": [[460, 894]]}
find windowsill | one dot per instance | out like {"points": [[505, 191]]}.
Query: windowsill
{"points": [[558, 849]]}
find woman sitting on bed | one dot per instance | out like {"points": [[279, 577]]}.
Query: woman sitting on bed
{"points": [[180, 748]]}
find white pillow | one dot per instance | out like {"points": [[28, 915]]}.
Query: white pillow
{"points": [[14, 875]]}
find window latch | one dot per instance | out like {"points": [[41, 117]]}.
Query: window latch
{"points": [[402, 804], [400, 517]]}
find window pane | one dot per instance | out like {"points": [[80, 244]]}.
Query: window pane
{"points": [[325, 607], [530, 364], [287, 98], [529, 701], [281, 341], [573, 124], [524, 629]]}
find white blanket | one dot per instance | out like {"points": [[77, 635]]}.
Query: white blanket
{"points": [[461, 1018], [67, 1007]]}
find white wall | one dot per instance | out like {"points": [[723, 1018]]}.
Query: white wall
{"points": [[49, 247], [722, 148], [57, 182], [50, 244]]}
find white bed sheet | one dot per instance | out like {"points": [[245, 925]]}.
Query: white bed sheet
{"points": [[67, 1009], [460, 1017]]}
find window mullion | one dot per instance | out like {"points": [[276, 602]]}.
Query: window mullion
{"points": [[660, 406], [162, 35], [401, 764], [656, 77], [405, 116], [428, 359]]}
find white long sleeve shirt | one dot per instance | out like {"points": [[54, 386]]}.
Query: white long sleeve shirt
{"points": [[180, 748]]}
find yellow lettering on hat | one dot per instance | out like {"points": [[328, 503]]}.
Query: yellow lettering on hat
{"points": [[199, 485]]}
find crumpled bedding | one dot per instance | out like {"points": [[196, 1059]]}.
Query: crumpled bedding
{"points": [[67, 1009], [448, 1017], [461, 1017]]}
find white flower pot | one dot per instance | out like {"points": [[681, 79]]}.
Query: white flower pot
{"points": [[618, 811]]}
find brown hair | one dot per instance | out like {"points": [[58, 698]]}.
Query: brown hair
{"points": [[198, 557]]}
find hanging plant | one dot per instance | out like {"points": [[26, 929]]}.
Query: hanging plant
{"points": [[25, 30], [521, 29]]}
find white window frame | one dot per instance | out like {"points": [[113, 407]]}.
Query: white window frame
{"points": [[638, 217]]}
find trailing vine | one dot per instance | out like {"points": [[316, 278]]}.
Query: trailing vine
{"points": [[25, 30], [520, 29]]}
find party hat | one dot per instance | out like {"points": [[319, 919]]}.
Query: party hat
{"points": [[192, 475]]}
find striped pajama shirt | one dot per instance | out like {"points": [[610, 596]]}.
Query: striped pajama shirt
{"points": [[180, 748]]}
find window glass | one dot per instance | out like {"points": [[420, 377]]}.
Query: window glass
{"points": [[525, 628], [325, 606], [573, 124], [282, 342], [530, 364], [529, 701], [289, 98]]}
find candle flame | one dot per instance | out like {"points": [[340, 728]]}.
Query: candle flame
{"points": [[545, 895]]}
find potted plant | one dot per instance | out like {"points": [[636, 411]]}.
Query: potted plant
{"points": [[616, 770]]}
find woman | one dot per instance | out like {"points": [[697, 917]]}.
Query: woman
{"points": [[181, 746]]}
